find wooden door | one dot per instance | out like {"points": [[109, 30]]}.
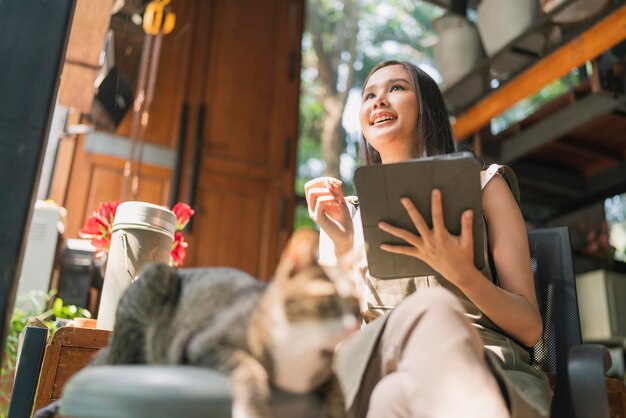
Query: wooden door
{"points": [[244, 141]]}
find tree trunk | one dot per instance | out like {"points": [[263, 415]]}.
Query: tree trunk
{"points": [[333, 135], [330, 56]]}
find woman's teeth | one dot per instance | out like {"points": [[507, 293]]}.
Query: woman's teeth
{"points": [[384, 118]]}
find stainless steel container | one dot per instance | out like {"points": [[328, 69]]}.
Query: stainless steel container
{"points": [[142, 233]]}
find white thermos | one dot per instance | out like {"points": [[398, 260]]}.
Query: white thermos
{"points": [[141, 233]]}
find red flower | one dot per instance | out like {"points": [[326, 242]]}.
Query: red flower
{"points": [[178, 253], [183, 213], [97, 227], [107, 210], [93, 226]]}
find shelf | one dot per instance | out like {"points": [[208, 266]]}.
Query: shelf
{"points": [[523, 71], [568, 154]]}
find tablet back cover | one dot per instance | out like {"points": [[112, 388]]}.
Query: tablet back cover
{"points": [[380, 187]]}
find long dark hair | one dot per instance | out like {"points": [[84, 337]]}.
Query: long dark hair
{"points": [[433, 131]]}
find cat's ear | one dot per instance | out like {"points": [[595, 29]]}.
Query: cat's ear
{"points": [[299, 253]]}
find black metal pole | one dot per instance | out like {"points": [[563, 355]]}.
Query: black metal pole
{"points": [[197, 160], [33, 40], [180, 151]]}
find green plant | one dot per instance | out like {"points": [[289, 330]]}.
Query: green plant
{"points": [[19, 320], [68, 311], [18, 323]]}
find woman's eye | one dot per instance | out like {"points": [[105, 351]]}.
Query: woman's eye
{"points": [[369, 96], [396, 88]]}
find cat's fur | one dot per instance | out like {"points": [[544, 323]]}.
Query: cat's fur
{"points": [[281, 334]]}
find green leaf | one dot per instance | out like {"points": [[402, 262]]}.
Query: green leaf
{"points": [[57, 307]]}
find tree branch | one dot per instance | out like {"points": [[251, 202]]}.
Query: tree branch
{"points": [[351, 17]]}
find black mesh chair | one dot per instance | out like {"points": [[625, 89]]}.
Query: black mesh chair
{"points": [[576, 371]]}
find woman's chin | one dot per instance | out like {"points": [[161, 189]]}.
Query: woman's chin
{"points": [[384, 137]]}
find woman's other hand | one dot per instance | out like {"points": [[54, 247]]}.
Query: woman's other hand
{"points": [[450, 255], [327, 207]]}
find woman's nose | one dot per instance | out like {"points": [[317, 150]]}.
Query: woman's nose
{"points": [[381, 101]]}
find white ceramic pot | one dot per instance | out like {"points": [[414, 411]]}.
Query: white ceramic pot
{"points": [[459, 49], [501, 21]]}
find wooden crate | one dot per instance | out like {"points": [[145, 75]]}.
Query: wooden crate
{"points": [[70, 350]]}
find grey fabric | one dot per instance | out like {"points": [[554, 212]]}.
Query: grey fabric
{"points": [[526, 389], [141, 391], [353, 355]]}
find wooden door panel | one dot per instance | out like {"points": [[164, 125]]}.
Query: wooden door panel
{"points": [[242, 95], [106, 182], [107, 179], [233, 222], [249, 99], [97, 178]]}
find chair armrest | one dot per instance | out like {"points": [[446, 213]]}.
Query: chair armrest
{"points": [[146, 391], [141, 391], [587, 365]]}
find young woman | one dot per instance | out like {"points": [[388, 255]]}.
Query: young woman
{"points": [[450, 345]]}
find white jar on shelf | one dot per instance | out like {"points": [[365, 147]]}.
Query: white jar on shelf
{"points": [[459, 49], [501, 21]]}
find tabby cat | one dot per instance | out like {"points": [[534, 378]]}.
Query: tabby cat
{"points": [[259, 334]]}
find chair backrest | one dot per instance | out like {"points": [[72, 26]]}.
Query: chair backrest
{"points": [[555, 285]]}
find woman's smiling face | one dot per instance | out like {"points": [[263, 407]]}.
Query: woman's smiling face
{"points": [[389, 112]]}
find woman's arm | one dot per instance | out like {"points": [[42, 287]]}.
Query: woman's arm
{"points": [[513, 306]]}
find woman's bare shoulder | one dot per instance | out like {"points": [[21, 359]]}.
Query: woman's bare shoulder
{"points": [[498, 200]]}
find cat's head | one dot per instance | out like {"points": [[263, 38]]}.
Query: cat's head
{"points": [[314, 308]]}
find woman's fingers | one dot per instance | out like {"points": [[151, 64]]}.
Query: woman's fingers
{"points": [[323, 202], [334, 187], [467, 221], [332, 217], [322, 205], [313, 194], [434, 246], [403, 234], [400, 249], [416, 217], [439, 225], [322, 186], [321, 182]]}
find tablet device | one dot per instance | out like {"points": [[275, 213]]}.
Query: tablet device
{"points": [[380, 187]]}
